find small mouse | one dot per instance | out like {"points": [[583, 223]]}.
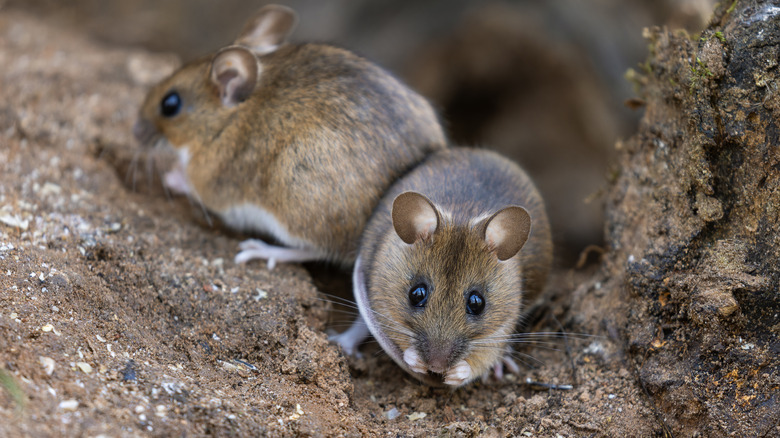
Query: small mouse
{"points": [[445, 264], [296, 141]]}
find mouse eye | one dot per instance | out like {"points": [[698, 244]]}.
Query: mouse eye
{"points": [[170, 104], [475, 303], [418, 295]]}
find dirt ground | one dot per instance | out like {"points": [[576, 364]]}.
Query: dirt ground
{"points": [[123, 314]]}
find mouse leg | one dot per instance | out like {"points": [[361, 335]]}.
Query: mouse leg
{"points": [[350, 339], [508, 362], [257, 249]]}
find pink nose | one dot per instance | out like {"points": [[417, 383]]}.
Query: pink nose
{"points": [[439, 358]]}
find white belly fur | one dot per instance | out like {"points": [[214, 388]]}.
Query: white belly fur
{"points": [[250, 217]]}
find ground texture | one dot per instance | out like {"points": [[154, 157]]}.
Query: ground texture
{"points": [[122, 313]]}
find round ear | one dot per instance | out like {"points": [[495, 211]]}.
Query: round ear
{"points": [[507, 231], [268, 29], [414, 217], [234, 71]]}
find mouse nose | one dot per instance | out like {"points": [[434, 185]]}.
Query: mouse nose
{"points": [[440, 356], [144, 131]]}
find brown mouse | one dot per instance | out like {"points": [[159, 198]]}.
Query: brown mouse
{"points": [[446, 262], [296, 141]]}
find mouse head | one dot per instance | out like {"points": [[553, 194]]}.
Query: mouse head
{"points": [[196, 99], [453, 290]]}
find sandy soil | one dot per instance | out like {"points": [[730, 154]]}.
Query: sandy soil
{"points": [[122, 313]]}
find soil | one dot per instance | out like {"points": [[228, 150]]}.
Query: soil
{"points": [[123, 314]]}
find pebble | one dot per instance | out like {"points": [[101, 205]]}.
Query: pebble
{"points": [[68, 405], [416, 416], [392, 414], [85, 367], [48, 364], [260, 294]]}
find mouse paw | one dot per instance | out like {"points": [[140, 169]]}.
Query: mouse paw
{"points": [[347, 344], [508, 362], [257, 249], [350, 339], [459, 374], [412, 359], [176, 181]]}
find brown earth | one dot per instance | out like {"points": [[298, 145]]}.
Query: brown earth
{"points": [[122, 313]]}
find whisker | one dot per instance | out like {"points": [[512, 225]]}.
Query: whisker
{"points": [[131, 169], [149, 171], [344, 312]]}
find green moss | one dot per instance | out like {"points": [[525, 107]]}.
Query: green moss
{"points": [[700, 72], [718, 35], [700, 69], [9, 384]]}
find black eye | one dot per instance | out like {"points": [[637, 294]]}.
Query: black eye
{"points": [[418, 295], [171, 104], [475, 304]]}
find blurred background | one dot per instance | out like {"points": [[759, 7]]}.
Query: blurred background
{"points": [[543, 82]]}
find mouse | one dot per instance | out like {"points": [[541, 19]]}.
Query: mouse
{"points": [[447, 260], [292, 141]]}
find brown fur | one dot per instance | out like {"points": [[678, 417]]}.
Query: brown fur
{"points": [[317, 143], [463, 184]]}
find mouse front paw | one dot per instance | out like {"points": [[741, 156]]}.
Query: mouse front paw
{"points": [[350, 339], [176, 181], [459, 374], [414, 362], [508, 362]]}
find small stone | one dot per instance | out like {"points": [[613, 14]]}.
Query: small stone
{"points": [[416, 416], [68, 405], [392, 414], [85, 367], [708, 208], [48, 364], [50, 189], [47, 328], [15, 222]]}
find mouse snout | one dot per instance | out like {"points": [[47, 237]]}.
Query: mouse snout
{"points": [[440, 354], [439, 358], [144, 131]]}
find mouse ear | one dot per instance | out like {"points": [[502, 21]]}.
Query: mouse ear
{"points": [[414, 217], [234, 71], [507, 231], [268, 29]]}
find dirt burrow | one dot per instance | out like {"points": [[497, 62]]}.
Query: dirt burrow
{"points": [[122, 313]]}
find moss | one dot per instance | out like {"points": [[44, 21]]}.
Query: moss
{"points": [[700, 73], [731, 8], [8, 383]]}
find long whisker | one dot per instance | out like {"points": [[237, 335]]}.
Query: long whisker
{"points": [[130, 174], [149, 171]]}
